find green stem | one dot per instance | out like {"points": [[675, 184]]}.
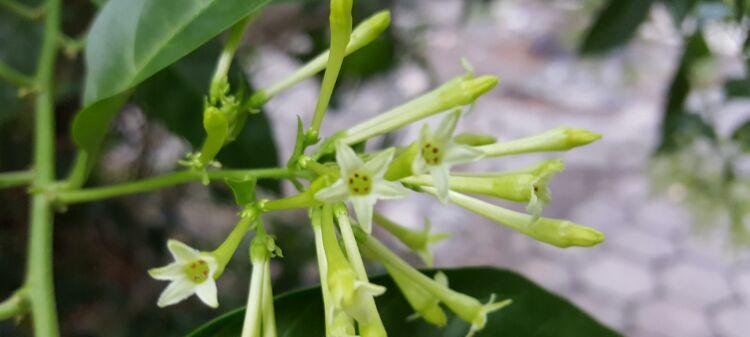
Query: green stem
{"points": [[227, 54], [18, 178], [14, 76], [15, 305], [39, 277], [227, 248], [170, 179], [25, 11]]}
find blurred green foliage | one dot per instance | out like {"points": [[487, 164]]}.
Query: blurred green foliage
{"points": [[694, 163]]}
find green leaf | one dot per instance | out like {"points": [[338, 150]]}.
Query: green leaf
{"points": [[534, 312], [131, 40], [738, 87], [615, 25], [174, 97], [680, 8], [741, 135], [678, 125]]}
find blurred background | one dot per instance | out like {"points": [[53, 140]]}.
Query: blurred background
{"points": [[666, 83]]}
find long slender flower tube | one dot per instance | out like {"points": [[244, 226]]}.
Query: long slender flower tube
{"points": [[195, 272], [348, 291], [425, 305], [362, 35], [459, 91], [438, 152], [337, 322], [466, 307], [558, 139], [560, 233], [525, 185], [418, 241], [259, 317], [374, 326], [361, 183]]}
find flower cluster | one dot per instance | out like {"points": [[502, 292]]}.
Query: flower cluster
{"points": [[337, 176]]}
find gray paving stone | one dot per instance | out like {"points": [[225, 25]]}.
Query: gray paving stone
{"points": [[741, 282], [734, 321], [694, 285], [662, 217], [671, 319], [618, 277], [639, 244], [547, 273], [610, 313]]}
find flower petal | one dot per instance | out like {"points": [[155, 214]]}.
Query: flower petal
{"points": [[172, 271], [182, 252], [206, 291], [445, 130], [363, 208], [459, 154], [424, 134], [378, 164], [176, 292], [418, 166], [384, 189], [441, 181], [369, 288], [212, 264], [347, 158], [339, 191]]}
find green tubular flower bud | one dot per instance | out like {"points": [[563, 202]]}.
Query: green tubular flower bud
{"points": [[401, 164], [558, 139], [459, 91], [418, 241], [519, 186], [424, 304], [216, 124], [366, 32], [474, 139], [341, 30], [466, 307], [348, 292], [560, 233]]}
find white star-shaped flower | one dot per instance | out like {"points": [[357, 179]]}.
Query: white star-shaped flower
{"points": [[191, 273], [362, 183], [438, 152]]}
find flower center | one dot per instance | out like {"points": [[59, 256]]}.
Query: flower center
{"points": [[432, 154], [197, 271], [360, 183]]}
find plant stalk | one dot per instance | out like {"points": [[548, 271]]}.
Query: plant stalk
{"points": [[17, 178], [39, 277], [170, 179]]}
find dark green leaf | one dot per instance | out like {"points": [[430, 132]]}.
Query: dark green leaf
{"points": [[680, 8], [739, 87], [679, 126], [131, 40], [174, 97], [534, 312], [741, 135], [615, 25]]}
